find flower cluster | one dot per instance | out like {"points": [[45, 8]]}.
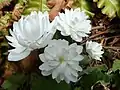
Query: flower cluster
{"points": [[60, 58]]}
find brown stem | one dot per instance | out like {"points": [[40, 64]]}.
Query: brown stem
{"points": [[98, 27], [93, 36], [1, 38], [98, 34], [109, 47]]}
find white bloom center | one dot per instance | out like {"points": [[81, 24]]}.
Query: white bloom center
{"points": [[61, 59]]}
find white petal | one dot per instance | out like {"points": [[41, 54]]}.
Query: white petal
{"points": [[79, 49], [43, 41], [73, 72], [58, 79], [46, 20], [67, 80], [75, 37], [73, 45], [72, 53], [46, 67], [76, 67], [10, 38], [61, 43], [55, 73], [78, 58], [18, 50], [61, 76], [42, 57], [46, 73], [53, 63], [70, 76], [28, 31], [18, 56], [97, 58], [58, 70], [50, 53], [12, 44]]}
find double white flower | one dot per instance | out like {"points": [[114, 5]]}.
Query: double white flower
{"points": [[29, 33], [94, 49], [61, 60], [74, 23]]}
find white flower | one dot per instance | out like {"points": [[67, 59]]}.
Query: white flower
{"points": [[94, 49], [29, 33], [61, 60], [74, 23]]}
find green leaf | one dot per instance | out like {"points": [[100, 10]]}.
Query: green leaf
{"points": [[77, 88], [47, 83], [93, 75], [99, 67], [116, 65], [9, 86], [17, 78], [35, 5], [6, 84], [4, 22], [115, 80], [109, 7], [84, 5], [85, 61], [14, 82], [4, 0]]}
